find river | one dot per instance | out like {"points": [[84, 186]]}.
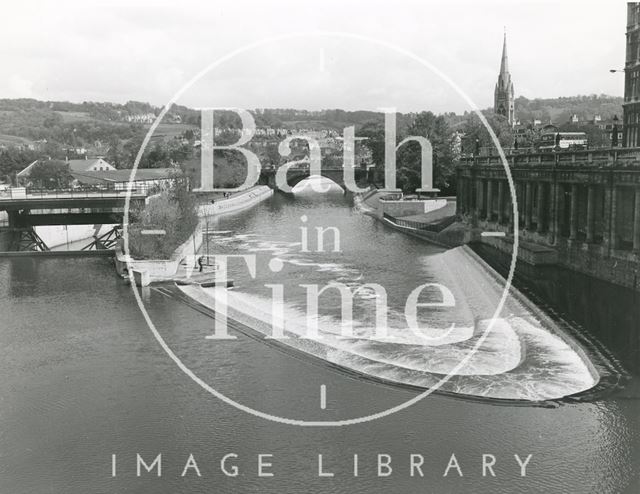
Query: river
{"points": [[84, 377]]}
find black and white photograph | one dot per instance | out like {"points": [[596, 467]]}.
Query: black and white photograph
{"points": [[332, 247]]}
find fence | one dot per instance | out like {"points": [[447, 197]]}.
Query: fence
{"points": [[87, 192]]}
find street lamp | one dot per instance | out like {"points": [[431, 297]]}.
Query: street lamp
{"points": [[613, 71], [614, 132]]}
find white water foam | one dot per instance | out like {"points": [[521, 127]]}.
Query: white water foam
{"points": [[500, 368], [518, 359]]}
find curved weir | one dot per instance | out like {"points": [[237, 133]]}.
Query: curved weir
{"points": [[525, 356]]}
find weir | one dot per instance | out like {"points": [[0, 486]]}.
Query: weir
{"points": [[526, 357], [522, 358]]}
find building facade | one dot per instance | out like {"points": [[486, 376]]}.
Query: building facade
{"points": [[503, 99], [631, 105], [580, 209]]}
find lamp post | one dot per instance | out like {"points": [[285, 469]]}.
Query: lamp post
{"points": [[206, 219]]}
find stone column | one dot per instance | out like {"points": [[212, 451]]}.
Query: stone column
{"points": [[613, 234], [460, 196], [470, 198], [542, 205], [591, 209], [636, 222], [522, 204], [465, 195], [489, 199], [608, 219], [573, 227], [554, 214], [480, 198], [500, 201], [528, 206]]}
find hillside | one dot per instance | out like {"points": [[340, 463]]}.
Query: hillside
{"points": [[559, 110], [32, 129]]}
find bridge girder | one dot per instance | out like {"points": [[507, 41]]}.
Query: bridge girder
{"points": [[25, 220]]}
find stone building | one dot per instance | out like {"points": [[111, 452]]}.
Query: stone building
{"points": [[580, 209], [631, 105]]}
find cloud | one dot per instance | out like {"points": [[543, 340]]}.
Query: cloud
{"points": [[115, 51]]}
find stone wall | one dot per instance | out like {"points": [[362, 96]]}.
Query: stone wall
{"points": [[237, 202], [401, 208]]}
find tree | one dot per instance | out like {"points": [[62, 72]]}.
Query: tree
{"points": [[409, 163], [474, 129], [272, 155], [115, 155], [373, 132], [13, 159], [174, 211], [51, 174]]}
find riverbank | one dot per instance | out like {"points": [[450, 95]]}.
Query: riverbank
{"points": [[431, 220], [156, 270]]}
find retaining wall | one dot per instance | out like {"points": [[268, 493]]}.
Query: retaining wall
{"points": [[398, 209]]}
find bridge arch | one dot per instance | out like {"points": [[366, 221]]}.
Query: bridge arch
{"points": [[297, 175]]}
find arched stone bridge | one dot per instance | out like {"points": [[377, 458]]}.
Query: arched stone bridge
{"points": [[298, 174]]}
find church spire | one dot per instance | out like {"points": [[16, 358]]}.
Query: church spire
{"points": [[504, 63], [503, 95]]}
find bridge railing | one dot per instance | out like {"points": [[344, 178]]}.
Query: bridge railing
{"points": [[83, 192]]}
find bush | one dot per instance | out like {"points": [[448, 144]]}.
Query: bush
{"points": [[174, 211]]}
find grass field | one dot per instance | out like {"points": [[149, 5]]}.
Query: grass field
{"points": [[74, 116], [7, 140]]}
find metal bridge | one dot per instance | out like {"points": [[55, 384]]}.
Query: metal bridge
{"points": [[28, 208]]}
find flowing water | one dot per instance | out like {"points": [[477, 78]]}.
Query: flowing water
{"points": [[518, 356], [84, 378]]}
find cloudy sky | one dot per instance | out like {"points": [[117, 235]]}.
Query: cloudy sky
{"points": [[148, 50]]}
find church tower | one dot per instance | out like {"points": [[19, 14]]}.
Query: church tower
{"points": [[503, 95]]}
